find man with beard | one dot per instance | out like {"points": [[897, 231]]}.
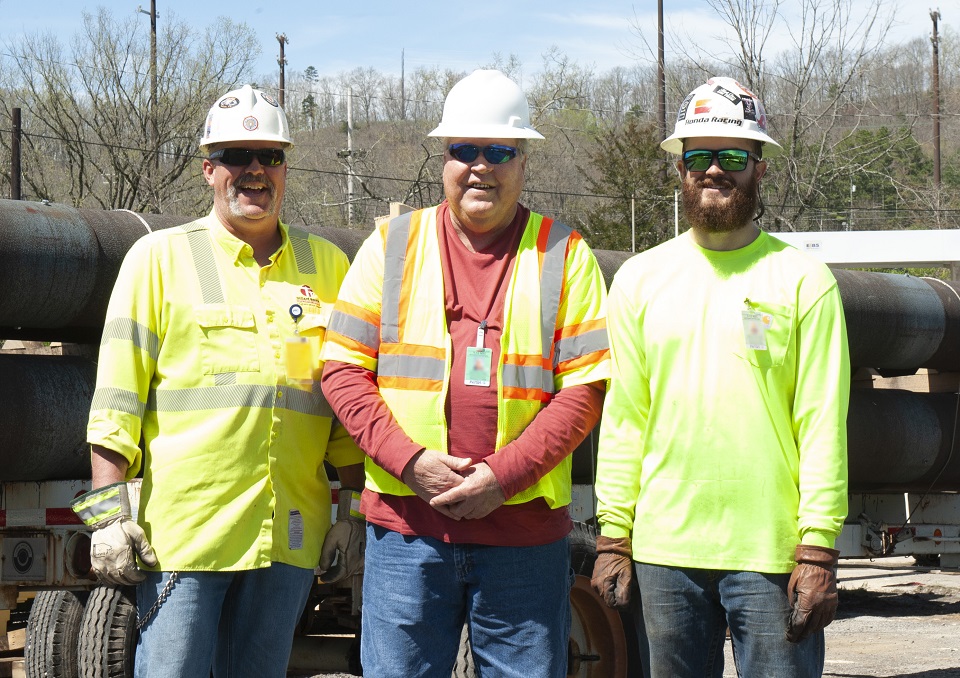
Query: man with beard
{"points": [[210, 357], [722, 475]]}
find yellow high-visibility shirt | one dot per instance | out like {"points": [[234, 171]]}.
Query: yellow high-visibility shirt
{"points": [[193, 358]]}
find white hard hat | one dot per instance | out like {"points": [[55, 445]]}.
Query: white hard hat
{"points": [[721, 107], [486, 104], [245, 114]]}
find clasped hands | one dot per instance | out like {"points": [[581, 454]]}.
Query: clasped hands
{"points": [[454, 486]]}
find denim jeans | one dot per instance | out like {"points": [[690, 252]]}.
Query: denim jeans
{"points": [[418, 591], [686, 612], [238, 623]]}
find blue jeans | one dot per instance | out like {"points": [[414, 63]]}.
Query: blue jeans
{"points": [[237, 623], [686, 612], [418, 591]]}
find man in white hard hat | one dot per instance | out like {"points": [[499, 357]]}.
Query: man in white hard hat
{"points": [[210, 356], [467, 355], [722, 471]]}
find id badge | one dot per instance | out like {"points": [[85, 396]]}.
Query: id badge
{"points": [[755, 326], [300, 360], [477, 370]]}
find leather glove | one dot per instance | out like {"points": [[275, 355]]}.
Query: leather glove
{"points": [[613, 571], [345, 542], [812, 591], [117, 540]]}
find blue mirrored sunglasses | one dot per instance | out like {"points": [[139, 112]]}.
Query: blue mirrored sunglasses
{"points": [[241, 157], [495, 154], [730, 159]]}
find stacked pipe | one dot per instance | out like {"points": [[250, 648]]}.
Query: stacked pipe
{"points": [[58, 264]]}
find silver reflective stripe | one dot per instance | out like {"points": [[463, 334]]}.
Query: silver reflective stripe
{"points": [[411, 367], [205, 265], [551, 284], [225, 378], [529, 376], [581, 345], [239, 395], [354, 328], [395, 251], [117, 399], [100, 504], [127, 329], [302, 252]]}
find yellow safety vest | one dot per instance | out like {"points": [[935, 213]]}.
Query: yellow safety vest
{"points": [[404, 338]]}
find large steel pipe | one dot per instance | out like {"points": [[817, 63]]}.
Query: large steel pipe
{"points": [[44, 403]]}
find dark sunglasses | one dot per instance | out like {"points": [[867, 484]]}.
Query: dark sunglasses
{"points": [[241, 157], [495, 154], [730, 160]]}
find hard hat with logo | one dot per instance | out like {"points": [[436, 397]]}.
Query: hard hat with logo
{"points": [[486, 104], [245, 114], [721, 107]]}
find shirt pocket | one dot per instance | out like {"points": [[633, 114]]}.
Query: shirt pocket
{"points": [[229, 338], [778, 332]]}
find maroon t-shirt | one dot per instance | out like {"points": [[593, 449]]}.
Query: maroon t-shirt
{"points": [[474, 284]]}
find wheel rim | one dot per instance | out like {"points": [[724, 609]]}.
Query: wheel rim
{"points": [[597, 647]]}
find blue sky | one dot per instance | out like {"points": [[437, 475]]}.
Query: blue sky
{"points": [[340, 36]]}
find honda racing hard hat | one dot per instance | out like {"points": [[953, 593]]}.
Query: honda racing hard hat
{"points": [[486, 104], [245, 114], [721, 107]]}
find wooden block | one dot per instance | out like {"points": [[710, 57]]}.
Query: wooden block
{"points": [[13, 640]]}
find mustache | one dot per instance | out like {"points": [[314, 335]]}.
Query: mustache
{"points": [[248, 177], [710, 182]]}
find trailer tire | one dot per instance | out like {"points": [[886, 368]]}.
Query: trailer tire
{"points": [[108, 635], [50, 650], [603, 642]]}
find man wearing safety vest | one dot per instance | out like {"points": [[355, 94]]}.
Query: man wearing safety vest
{"points": [[467, 355], [722, 458], [210, 356]]}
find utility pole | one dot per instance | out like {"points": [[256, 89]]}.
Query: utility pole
{"points": [[348, 155], [15, 193], [403, 99], [282, 39], [153, 79], [661, 75], [935, 15]]}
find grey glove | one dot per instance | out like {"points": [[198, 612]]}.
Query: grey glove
{"points": [[346, 540], [117, 540]]}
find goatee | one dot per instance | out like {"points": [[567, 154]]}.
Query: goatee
{"points": [[726, 216]]}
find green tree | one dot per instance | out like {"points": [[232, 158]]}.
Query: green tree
{"points": [[627, 163]]}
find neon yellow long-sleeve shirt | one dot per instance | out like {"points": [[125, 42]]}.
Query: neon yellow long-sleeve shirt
{"points": [[193, 360], [713, 454]]}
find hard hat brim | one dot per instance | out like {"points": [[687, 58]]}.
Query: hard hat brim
{"points": [[474, 131], [674, 142]]}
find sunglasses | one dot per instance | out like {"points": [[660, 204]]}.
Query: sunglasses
{"points": [[730, 160], [495, 154], [241, 157]]}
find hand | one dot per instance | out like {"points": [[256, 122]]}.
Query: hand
{"points": [[345, 542], [812, 591], [114, 549], [117, 540], [478, 495], [430, 473], [613, 571]]}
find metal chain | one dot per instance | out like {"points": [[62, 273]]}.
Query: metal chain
{"points": [[161, 599]]}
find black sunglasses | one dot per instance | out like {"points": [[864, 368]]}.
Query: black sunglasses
{"points": [[730, 159], [241, 157], [495, 154]]}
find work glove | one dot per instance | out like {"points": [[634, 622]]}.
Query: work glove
{"points": [[613, 571], [117, 540], [812, 591], [345, 542]]}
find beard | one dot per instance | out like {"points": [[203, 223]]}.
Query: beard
{"points": [[726, 215], [233, 199]]}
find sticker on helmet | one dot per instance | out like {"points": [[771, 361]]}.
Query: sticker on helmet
{"points": [[229, 102], [250, 123], [701, 106], [749, 111], [727, 94], [269, 99], [682, 113]]}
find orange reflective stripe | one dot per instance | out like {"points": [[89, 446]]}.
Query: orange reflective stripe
{"points": [[349, 344], [583, 361], [357, 312], [582, 328], [410, 384], [414, 350], [535, 394]]}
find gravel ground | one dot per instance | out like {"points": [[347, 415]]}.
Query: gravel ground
{"points": [[895, 619]]}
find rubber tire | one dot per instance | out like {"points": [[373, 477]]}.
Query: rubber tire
{"points": [[108, 634], [52, 633]]}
